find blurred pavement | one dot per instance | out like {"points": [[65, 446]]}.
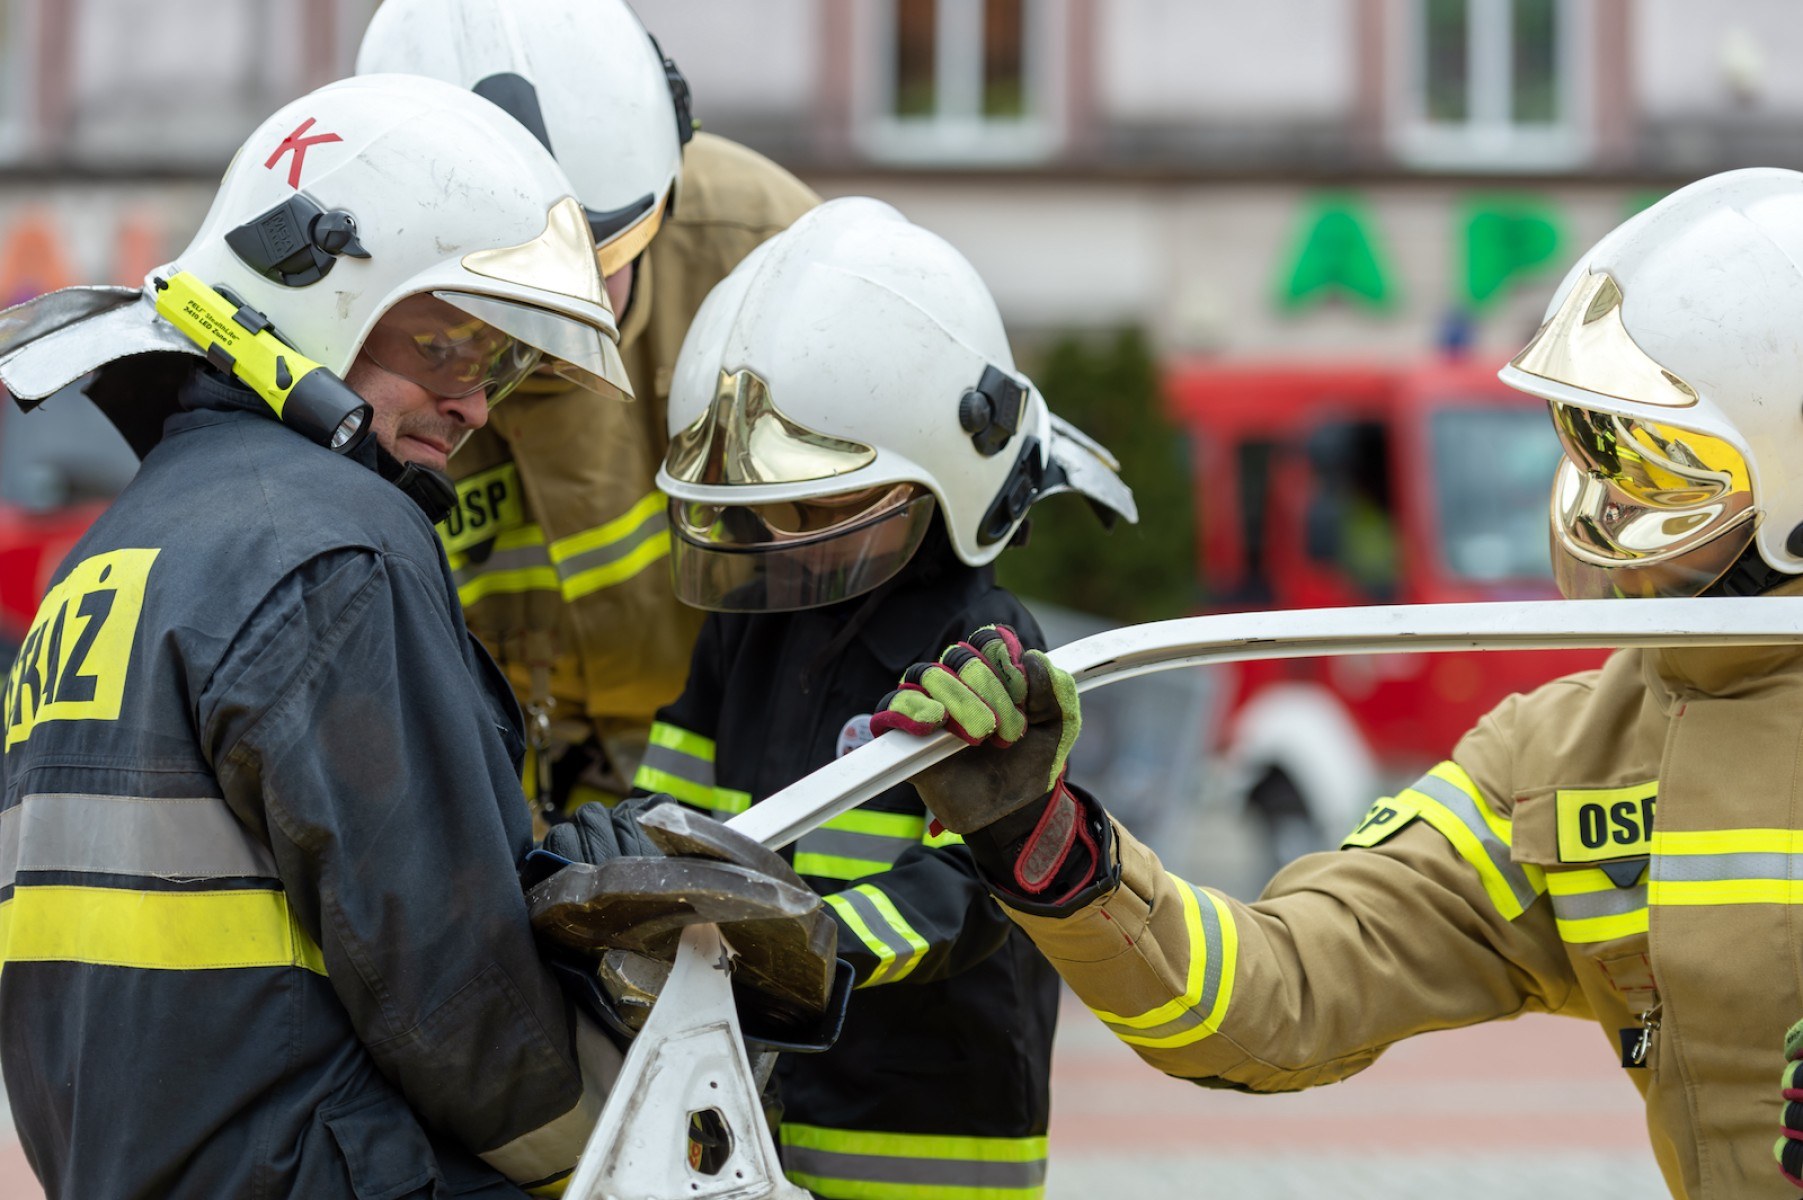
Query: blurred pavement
{"points": [[1514, 1108], [1522, 1107]]}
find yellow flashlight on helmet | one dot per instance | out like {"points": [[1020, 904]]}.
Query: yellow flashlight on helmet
{"points": [[240, 341]]}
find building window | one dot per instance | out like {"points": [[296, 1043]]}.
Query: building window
{"points": [[962, 80], [1493, 84], [18, 78]]}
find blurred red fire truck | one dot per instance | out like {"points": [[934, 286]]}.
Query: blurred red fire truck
{"points": [[1329, 485], [59, 466]]}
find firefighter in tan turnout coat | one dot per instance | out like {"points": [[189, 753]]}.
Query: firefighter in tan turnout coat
{"points": [[1623, 846], [559, 544]]}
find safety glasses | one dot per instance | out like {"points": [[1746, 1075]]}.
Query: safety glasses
{"points": [[448, 351]]}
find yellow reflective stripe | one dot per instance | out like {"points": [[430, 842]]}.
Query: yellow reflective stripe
{"points": [[515, 581], [883, 930], [549, 577], [555, 1188], [869, 1165], [171, 931], [675, 737], [944, 837], [1201, 955], [880, 824], [617, 532], [899, 923], [1602, 929], [1727, 866], [689, 792], [1566, 886], [1490, 864], [1725, 891], [1453, 773], [1578, 883], [837, 866], [1728, 841], [885, 955], [618, 529], [850, 915], [619, 571]]}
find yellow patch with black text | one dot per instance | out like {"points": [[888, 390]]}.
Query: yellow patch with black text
{"points": [[73, 664], [1596, 824], [1382, 820], [489, 503]]}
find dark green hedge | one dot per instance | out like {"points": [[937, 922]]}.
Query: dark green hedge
{"points": [[1107, 386]]}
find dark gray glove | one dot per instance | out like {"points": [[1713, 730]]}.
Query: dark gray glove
{"points": [[637, 884], [598, 833]]}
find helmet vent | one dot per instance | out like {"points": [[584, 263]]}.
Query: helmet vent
{"points": [[515, 96], [296, 242], [991, 411]]}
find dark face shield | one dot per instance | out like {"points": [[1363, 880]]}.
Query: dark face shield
{"points": [[809, 553], [1645, 508]]}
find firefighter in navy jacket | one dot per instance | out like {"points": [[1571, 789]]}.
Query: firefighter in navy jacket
{"points": [[851, 447]]}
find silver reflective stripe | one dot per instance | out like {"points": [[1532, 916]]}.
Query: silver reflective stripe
{"points": [[674, 762], [611, 552], [1201, 1006], [1710, 868], [921, 1172], [185, 838], [1456, 801], [865, 847], [1615, 902], [900, 949], [520, 558]]}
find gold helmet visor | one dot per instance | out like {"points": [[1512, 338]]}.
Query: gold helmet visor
{"points": [[1645, 508], [744, 439], [561, 259]]}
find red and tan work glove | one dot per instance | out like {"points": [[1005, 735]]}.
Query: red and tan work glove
{"points": [[1029, 833], [1789, 1150]]}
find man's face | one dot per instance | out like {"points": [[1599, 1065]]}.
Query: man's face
{"points": [[427, 370], [412, 423]]}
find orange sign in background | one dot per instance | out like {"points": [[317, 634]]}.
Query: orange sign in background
{"points": [[35, 258]]}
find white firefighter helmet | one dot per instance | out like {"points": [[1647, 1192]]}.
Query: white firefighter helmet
{"points": [[1672, 357], [346, 203], [583, 75], [847, 380]]}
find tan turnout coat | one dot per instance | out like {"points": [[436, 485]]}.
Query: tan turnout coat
{"points": [[559, 543], [1623, 845]]}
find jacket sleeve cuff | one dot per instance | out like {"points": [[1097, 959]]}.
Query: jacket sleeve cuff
{"points": [[1052, 857]]}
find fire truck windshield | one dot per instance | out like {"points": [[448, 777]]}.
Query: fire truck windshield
{"points": [[1493, 470]]}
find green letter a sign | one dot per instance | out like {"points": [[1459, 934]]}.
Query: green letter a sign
{"points": [[1336, 257]]}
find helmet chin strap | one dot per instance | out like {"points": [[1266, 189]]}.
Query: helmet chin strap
{"points": [[1750, 575], [432, 490]]}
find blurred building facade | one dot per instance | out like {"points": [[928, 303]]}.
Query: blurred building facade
{"points": [[1295, 178]]}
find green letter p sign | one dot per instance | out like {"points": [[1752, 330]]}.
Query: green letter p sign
{"points": [[1506, 238]]}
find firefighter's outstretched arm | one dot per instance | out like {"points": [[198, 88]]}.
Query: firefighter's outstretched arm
{"points": [[1427, 927]]}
